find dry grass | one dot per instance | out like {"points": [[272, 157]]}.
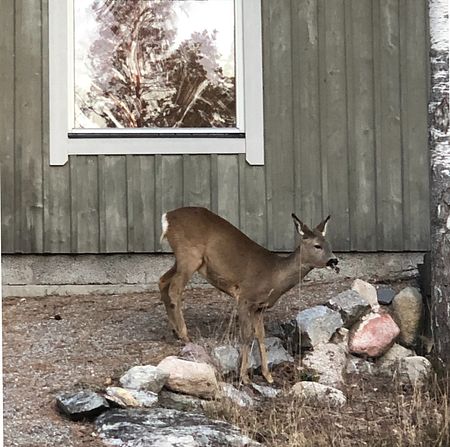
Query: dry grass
{"points": [[379, 412]]}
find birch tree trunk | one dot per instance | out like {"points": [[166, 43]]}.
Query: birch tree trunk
{"points": [[440, 181]]}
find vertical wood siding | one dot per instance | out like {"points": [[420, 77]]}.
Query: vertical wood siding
{"points": [[345, 85]]}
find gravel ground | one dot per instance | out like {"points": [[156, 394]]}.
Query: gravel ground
{"points": [[57, 344]]}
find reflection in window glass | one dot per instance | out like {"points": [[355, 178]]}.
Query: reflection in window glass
{"points": [[154, 64]]}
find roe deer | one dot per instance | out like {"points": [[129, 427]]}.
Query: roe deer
{"points": [[238, 266]]}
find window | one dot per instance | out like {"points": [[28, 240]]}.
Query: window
{"points": [[155, 77]]}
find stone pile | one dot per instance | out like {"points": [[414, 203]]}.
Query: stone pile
{"points": [[353, 333]]}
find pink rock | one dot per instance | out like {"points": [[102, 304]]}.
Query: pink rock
{"points": [[374, 335]]}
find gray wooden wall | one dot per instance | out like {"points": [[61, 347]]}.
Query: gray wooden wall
{"points": [[346, 134]]}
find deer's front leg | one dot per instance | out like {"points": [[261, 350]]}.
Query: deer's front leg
{"points": [[260, 336], [246, 329]]}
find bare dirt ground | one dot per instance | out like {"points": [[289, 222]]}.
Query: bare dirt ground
{"points": [[57, 344]]}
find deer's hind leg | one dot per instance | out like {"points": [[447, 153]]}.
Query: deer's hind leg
{"points": [[246, 330], [164, 283], [258, 324], [184, 270]]}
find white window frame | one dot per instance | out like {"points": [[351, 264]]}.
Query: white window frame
{"points": [[247, 137]]}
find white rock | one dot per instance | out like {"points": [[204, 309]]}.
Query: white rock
{"points": [[317, 394], [327, 361], [367, 291], [240, 398], [417, 369], [195, 379], [407, 307], [266, 391], [146, 377]]}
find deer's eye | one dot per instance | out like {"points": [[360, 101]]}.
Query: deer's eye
{"points": [[318, 246]]}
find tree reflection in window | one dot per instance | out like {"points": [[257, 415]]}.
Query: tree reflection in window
{"points": [[154, 64]]}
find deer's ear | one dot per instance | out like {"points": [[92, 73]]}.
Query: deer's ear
{"points": [[322, 227], [302, 228]]}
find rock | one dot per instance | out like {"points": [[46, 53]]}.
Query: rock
{"points": [[81, 405], [319, 395], [395, 354], [131, 398], [407, 308], [351, 305], [266, 391], [286, 331], [326, 362], [162, 427], [196, 353], [240, 398], [195, 379], [415, 370], [373, 336], [385, 295], [146, 377], [317, 325], [276, 353], [183, 402], [341, 337], [367, 291], [357, 366], [226, 358]]}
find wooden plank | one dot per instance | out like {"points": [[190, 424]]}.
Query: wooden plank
{"points": [[306, 113], [278, 123], [252, 193], [227, 181], [113, 204], [141, 203], [360, 112], [28, 128], [414, 70], [197, 180], [56, 178], [387, 119], [7, 124], [169, 189], [85, 231], [333, 107]]}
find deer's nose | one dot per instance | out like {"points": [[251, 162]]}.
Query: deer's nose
{"points": [[333, 262]]}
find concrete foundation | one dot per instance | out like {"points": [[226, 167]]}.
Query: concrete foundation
{"points": [[42, 275]]}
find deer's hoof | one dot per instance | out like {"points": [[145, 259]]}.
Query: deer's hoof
{"points": [[268, 377]]}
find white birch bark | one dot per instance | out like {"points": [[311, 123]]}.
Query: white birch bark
{"points": [[440, 180]]}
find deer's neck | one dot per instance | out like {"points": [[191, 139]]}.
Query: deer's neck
{"points": [[293, 270]]}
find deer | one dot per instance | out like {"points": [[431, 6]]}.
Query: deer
{"points": [[255, 277]]}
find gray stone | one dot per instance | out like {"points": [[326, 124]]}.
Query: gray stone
{"points": [[195, 379], [131, 398], [407, 308], [326, 363], [183, 402], [81, 405], [395, 354], [162, 427], [240, 398], [276, 353], [351, 305], [195, 353], [358, 366], [266, 391], [317, 325], [414, 370], [317, 394], [146, 377], [341, 337], [286, 331], [385, 295], [226, 358]]}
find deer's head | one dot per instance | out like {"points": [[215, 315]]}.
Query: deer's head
{"points": [[315, 249]]}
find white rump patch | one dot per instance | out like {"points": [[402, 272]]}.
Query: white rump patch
{"points": [[164, 225]]}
